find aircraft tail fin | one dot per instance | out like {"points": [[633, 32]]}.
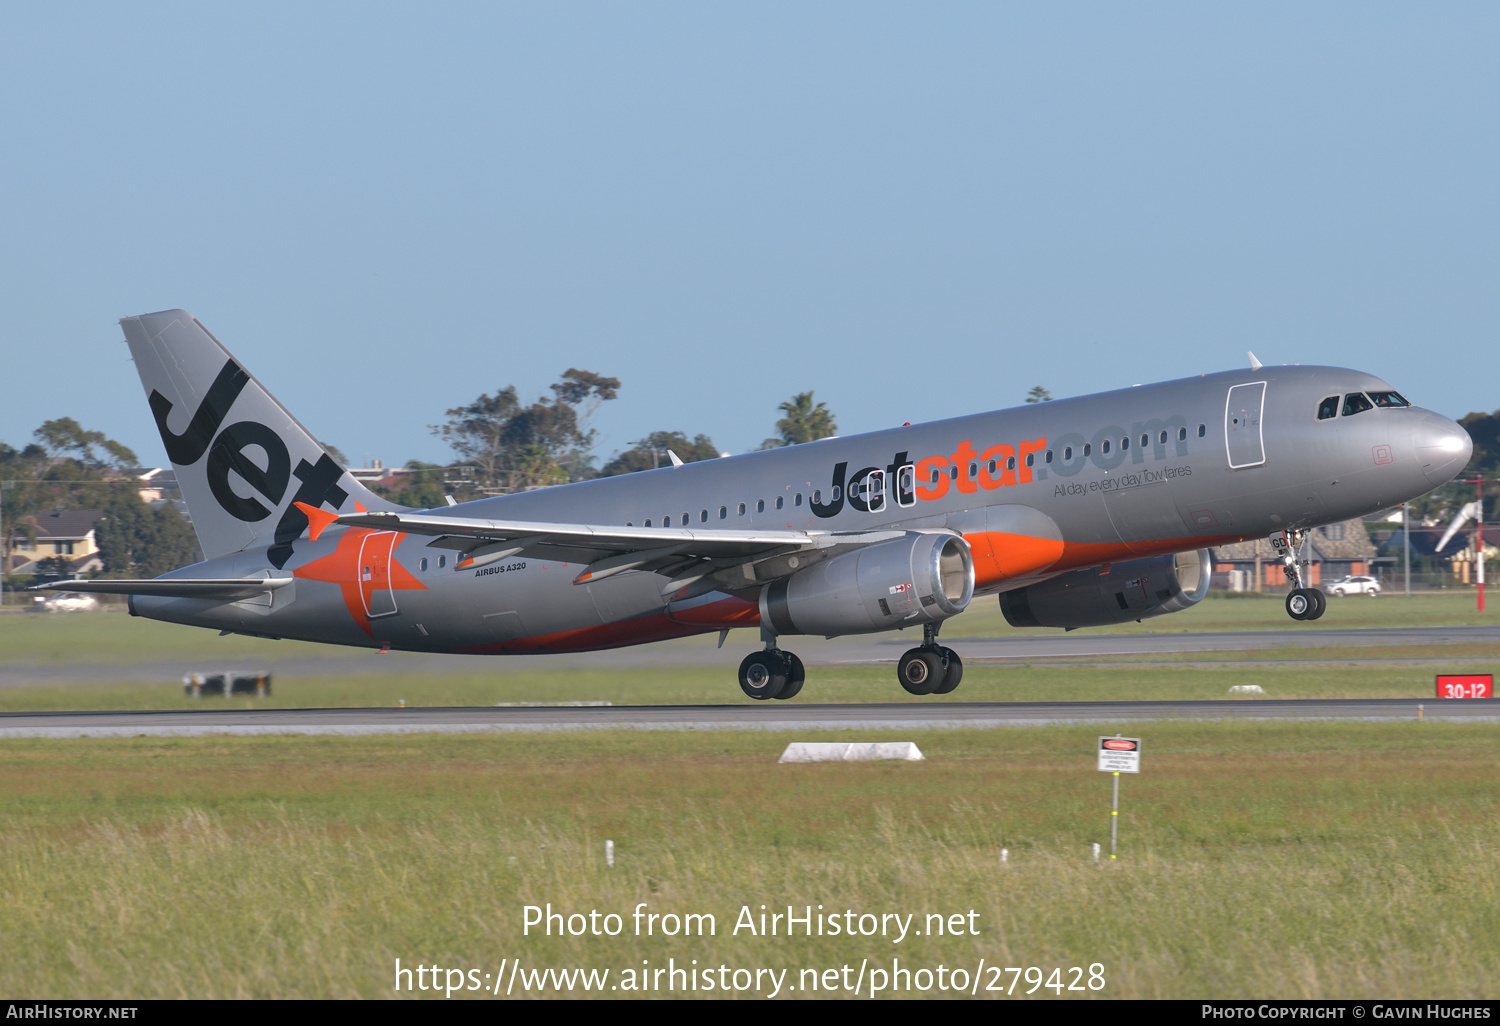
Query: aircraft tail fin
{"points": [[242, 461]]}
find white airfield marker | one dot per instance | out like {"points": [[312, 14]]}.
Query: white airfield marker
{"points": [[858, 751]]}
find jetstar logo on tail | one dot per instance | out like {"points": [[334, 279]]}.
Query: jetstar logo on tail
{"points": [[226, 453]]}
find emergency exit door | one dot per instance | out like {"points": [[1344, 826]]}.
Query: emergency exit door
{"points": [[375, 573], [1243, 436]]}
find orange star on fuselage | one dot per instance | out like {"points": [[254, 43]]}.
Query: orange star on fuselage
{"points": [[364, 567]]}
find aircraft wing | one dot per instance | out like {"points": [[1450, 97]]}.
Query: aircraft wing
{"points": [[214, 587], [727, 558]]}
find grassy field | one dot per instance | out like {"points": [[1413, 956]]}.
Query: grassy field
{"points": [[708, 685], [339, 677], [120, 639], [1258, 860]]}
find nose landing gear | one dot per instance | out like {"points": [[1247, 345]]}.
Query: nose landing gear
{"points": [[930, 669], [1302, 602]]}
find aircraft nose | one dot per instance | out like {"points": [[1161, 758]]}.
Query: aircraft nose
{"points": [[1443, 448]]}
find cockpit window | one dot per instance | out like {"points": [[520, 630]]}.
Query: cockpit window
{"points": [[1388, 400], [1355, 402], [1328, 408]]}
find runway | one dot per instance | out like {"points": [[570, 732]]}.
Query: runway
{"points": [[777, 716], [301, 660]]}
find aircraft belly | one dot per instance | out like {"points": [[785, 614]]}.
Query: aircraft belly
{"points": [[626, 595], [1142, 513]]}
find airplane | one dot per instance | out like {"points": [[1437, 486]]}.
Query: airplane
{"points": [[1076, 513]]}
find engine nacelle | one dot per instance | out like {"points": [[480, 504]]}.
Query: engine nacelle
{"points": [[915, 579], [1123, 592]]}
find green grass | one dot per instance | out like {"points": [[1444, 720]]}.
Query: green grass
{"points": [[708, 685], [1259, 860], [117, 638]]}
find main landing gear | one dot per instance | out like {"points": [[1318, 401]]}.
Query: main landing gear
{"points": [[928, 670], [1302, 602], [931, 669], [771, 673]]}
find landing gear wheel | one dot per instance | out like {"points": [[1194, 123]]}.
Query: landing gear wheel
{"points": [[1320, 603], [921, 671], [795, 675], [954, 675], [763, 675], [1300, 604]]}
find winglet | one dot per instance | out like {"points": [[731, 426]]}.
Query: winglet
{"points": [[676, 459], [318, 520], [1254, 363]]}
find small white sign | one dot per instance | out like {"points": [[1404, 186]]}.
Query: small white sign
{"points": [[1119, 755]]}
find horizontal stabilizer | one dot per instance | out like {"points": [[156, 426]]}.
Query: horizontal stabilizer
{"points": [[212, 587]]}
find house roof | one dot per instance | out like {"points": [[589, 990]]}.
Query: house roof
{"points": [[1355, 544], [66, 524]]}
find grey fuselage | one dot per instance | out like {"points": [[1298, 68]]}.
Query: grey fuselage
{"points": [[1170, 467]]}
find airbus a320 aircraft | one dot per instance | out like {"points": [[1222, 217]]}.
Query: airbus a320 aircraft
{"points": [[1077, 513]]}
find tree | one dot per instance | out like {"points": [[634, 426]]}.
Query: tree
{"points": [[66, 467], [651, 452], [511, 447], [65, 435], [1038, 394], [422, 488], [804, 422], [137, 540]]}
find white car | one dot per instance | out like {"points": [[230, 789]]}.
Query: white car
{"points": [[1355, 585], [68, 602]]}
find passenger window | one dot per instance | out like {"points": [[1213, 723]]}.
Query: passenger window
{"points": [[1104, 447], [703, 516], [818, 497], [1124, 444], [760, 505], [780, 501], [797, 499], [422, 563], [1031, 459], [1162, 438], [1088, 449], [1068, 453], [1146, 440], [875, 491], [953, 473], [1355, 402], [648, 521], [1202, 430], [992, 466], [1388, 400], [688, 520], [1010, 463], [935, 474], [723, 512], [1328, 408], [742, 509], [442, 562], [1182, 434], [1049, 455], [837, 491], [973, 471]]}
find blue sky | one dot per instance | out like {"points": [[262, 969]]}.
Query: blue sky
{"points": [[914, 210]]}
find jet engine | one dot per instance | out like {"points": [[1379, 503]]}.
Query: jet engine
{"points": [[918, 578], [1115, 593]]}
